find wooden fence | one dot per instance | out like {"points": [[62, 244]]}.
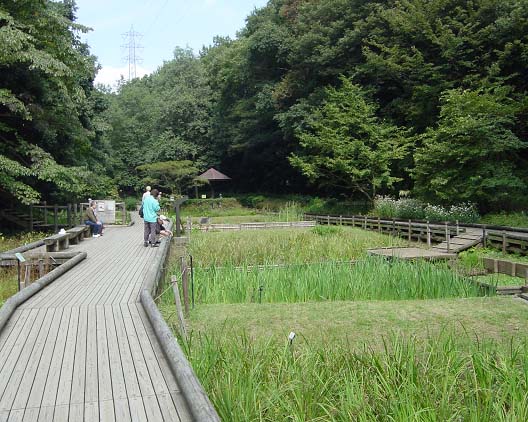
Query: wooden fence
{"points": [[426, 232], [507, 239], [255, 226]]}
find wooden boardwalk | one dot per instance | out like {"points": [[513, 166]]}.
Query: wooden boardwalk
{"points": [[82, 349]]}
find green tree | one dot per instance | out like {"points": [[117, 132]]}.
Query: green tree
{"points": [[174, 176], [473, 153], [346, 146]]}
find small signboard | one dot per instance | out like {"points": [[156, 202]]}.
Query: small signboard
{"points": [[20, 257]]}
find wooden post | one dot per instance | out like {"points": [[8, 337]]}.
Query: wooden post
{"points": [[428, 235], [124, 214], [495, 266], [328, 219], [69, 215], [56, 218], [409, 231], [484, 236], [393, 227], [185, 284], [514, 269], [447, 234], [379, 224], [365, 223], [504, 241], [30, 217], [177, 301], [457, 228], [41, 268], [340, 220], [45, 213], [353, 221]]}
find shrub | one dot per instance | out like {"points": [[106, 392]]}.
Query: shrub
{"points": [[131, 203], [410, 209], [386, 207]]}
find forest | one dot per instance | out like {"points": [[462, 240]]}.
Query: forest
{"points": [[336, 98]]}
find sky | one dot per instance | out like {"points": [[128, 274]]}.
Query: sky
{"points": [[163, 25]]}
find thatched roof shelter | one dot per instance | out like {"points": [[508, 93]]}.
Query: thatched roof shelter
{"points": [[213, 175]]}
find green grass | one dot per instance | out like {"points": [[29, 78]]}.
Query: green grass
{"points": [[284, 246], [8, 283], [515, 219], [390, 359], [501, 280], [371, 278], [472, 258], [393, 361]]}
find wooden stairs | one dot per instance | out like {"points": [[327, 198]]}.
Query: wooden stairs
{"points": [[463, 241]]}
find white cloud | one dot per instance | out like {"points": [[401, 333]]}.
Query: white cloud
{"points": [[110, 75]]}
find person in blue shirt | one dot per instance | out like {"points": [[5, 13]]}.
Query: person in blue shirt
{"points": [[150, 217]]}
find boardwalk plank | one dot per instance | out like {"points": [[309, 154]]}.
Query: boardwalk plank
{"points": [[79, 365], [107, 411], [82, 349], [103, 361], [52, 382], [76, 412], [46, 414], [37, 390], [66, 376], [116, 368], [18, 333], [47, 333], [91, 412], [92, 377], [122, 410], [13, 374], [131, 381], [31, 415]]}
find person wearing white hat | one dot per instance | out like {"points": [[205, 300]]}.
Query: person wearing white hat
{"points": [[147, 193]]}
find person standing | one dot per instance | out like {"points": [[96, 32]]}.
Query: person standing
{"points": [[150, 217], [145, 194]]}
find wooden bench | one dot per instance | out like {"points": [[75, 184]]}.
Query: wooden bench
{"points": [[78, 233], [57, 242]]}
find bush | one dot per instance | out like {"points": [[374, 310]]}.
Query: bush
{"points": [[131, 203], [413, 209], [385, 207], [410, 209]]}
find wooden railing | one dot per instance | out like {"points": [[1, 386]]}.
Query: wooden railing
{"points": [[427, 232], [508, 239]]}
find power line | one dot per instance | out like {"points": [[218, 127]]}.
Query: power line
{"points": [[131, 46]]}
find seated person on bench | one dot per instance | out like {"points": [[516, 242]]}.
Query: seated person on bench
{"points": [[91, 220]]}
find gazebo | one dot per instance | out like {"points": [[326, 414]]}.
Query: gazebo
{"points": [[213, 175]]}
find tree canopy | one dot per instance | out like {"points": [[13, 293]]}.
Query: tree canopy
{"points": [[349, 97]]}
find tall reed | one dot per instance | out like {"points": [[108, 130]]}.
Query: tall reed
{"points": [[368, 279], [435, 379]]}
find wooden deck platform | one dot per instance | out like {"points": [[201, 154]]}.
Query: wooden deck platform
{"points": [[82, 349], [412, 253]]}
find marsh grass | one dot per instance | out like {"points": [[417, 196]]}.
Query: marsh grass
{"points": [[368, 279], [440, 378], [8, 283], [282, 246]]}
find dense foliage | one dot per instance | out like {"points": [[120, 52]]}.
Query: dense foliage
{"points": [[348, 98], [359, 97], [50, 135]]}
